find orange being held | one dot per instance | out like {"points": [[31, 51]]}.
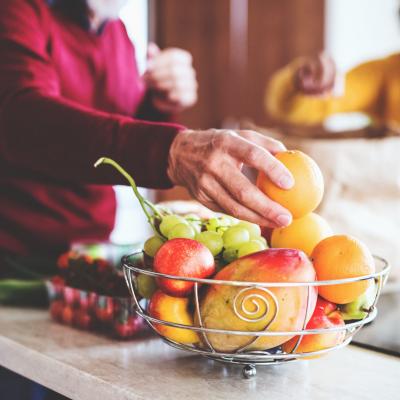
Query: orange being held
{"points": [[308, 189]]}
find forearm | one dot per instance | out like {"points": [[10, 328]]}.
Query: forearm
{"points": [[59, 139]]}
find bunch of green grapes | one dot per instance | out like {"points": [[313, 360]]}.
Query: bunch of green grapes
{"points": [[226, 237]]}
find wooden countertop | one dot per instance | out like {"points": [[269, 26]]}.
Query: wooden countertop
{"points": [[84, 366]]}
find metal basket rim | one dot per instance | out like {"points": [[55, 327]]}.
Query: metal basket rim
{"points": [[127, 264]]}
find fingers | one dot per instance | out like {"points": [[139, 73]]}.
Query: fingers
{"points": [[183, 81], [272, 145], [209, 164], [152, 51], [327, 72], [316, 75], [170, 56], [249, 196], [216, 197], [173, 79], [262, 160], [172, 68], [166, 106]]}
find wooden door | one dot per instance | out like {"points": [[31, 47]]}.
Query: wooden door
{"points": [[236, 45]]}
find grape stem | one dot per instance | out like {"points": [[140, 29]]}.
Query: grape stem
{"points": [[143, 202]]}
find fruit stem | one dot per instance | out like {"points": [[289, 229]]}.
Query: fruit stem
{"points": [[143, 202]]}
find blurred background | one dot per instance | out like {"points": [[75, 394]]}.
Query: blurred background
{"points": [[237, 45]]}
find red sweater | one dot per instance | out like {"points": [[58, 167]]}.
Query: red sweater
{"points": [[68, 97]]}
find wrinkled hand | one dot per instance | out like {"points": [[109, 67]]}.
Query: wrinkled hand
{"points": [[316, 75], [172, 79], [209, 164]]}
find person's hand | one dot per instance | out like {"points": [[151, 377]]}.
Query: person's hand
{"points": [[171, 77], [209, 163], [315, 76]]}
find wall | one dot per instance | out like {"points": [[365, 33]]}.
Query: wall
{"points": [[359, 30]]}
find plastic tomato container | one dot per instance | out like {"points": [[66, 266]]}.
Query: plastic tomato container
{"points": [[114, 316]]}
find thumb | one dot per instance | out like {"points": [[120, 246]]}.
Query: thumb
{"points": [[152, 51]]}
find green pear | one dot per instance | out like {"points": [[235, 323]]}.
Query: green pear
{"points": [[358, 309]]}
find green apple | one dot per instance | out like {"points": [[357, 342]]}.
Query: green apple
{"points": [[358, 309], [146, 285]]}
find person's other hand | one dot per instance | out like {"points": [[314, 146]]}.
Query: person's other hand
{"points": [[171, 77], [315, 76], [209, 163]]}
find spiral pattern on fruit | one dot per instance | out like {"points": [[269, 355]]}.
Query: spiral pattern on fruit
{"points": [[258, 301]]}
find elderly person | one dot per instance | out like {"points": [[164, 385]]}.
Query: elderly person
{"points": [[302, 93], [70, 92]]}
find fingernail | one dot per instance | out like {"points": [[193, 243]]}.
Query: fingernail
{"points": [[286, 182], [283, 220]]}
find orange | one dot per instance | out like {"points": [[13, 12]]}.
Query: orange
{"points": [[302, 234], [340, 257], [306, 194]]}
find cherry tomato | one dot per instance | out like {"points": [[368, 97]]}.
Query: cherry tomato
{"points": [[63, 261], [84, 300], [57, 280], [130, 328], [56, 309], [105, 309], [67, 315], [71, 295], [83, 319], [92, 301]]}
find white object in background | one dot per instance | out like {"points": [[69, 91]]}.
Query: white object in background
{"points": [[130, 224], [135, 17], [351, 121], [360, 30]]}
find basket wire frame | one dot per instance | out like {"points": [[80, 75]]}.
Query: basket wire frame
{"points": [[243, 355]]}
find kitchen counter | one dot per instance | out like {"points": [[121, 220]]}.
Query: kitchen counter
{"points": [[84, 366]]}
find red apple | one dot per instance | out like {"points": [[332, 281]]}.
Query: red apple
{"points": [[185, 258], [326, 315]]}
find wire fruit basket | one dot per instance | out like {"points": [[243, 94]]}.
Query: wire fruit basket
{"points": [[254, 292]]}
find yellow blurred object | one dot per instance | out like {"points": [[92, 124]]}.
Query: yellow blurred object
{"points": [[306, 194], [340, 257], [372, 88], [302, 234]]}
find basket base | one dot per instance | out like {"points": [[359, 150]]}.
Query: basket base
{"points": [[249, 371]]}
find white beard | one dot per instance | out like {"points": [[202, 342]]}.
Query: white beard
{"points": [[106, 9]]}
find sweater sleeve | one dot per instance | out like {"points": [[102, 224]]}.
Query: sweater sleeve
{"points": [[42, 132], [363, 88]]}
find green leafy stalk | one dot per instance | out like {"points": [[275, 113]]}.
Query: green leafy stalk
{"points": [[143, 202]]}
